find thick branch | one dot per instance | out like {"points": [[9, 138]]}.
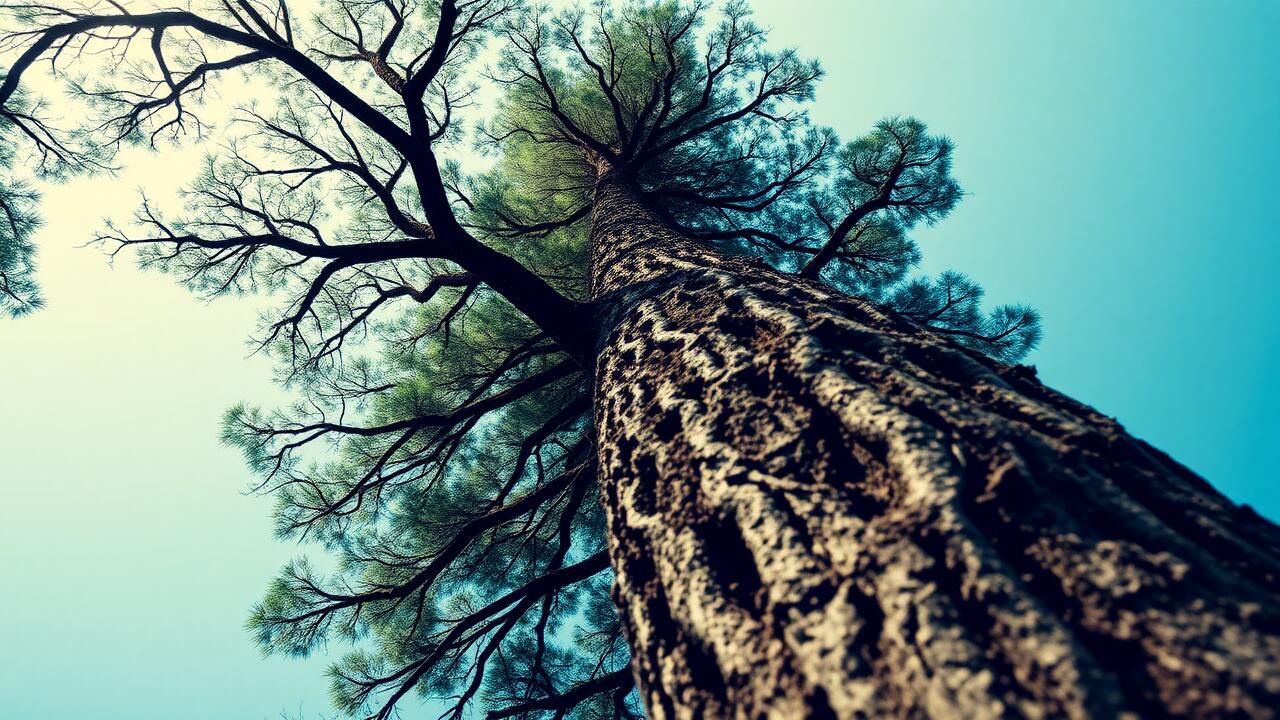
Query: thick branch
{"points": [[570, 699]]}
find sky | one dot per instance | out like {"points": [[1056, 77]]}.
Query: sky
{"points": [[1122, 168]]}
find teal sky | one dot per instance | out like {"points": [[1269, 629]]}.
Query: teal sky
{"points": [[1122, 167]]}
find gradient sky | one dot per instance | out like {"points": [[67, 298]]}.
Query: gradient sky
{"points": [[1122, 167]]}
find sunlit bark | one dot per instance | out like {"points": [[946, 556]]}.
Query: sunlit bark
{"points": [[818, 510]]}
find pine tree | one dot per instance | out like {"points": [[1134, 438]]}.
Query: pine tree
{"points": [[649, 415]]}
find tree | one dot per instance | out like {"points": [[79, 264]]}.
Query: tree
{"points": [[668, 344]]}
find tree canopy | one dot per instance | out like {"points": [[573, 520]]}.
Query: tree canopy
{"points": [[432, 304]]}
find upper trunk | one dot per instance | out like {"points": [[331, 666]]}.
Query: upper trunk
{"points": [[818, 509]]}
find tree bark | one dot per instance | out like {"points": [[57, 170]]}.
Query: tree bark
{"points": [[818, 509]]}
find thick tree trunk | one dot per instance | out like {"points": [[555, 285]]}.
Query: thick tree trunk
{"points": [[819, 510]]}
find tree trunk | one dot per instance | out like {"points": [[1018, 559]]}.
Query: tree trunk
{"points": [[818, 509]]}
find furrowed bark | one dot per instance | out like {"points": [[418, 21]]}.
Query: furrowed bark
{"points": [[818, 509]]}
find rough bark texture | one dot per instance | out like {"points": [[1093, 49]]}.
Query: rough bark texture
{"points": [[819, 510]]}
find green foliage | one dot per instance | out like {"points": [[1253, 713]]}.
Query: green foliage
{"points": [[951, 304], [768, 183], [19, 293], [899, 153]]}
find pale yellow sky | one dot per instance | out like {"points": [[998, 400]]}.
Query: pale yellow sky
{"points": [[129, 551]]}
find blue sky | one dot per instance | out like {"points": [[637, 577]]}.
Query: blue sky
{"points": [[1122, 169]]}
